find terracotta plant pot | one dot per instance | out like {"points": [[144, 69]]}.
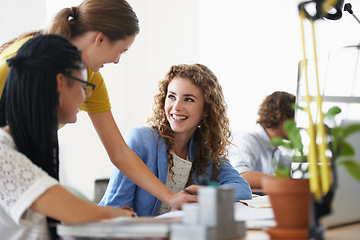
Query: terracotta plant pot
{"points": [[290, 200]]}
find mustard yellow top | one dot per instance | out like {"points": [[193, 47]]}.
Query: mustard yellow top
{"points": [[96, 103]]}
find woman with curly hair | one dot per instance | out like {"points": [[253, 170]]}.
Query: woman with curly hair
{"points": [[184, 144], [252, 154]]}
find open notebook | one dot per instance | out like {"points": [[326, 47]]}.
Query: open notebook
{"points": [[346, 203]]}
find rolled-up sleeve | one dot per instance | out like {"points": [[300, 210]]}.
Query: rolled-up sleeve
{"points": [[228, 175]]}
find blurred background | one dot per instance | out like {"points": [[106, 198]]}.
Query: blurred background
{"points": [[253, 47]]}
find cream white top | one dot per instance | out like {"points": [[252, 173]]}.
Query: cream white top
{"points": [[181, 169], [21, 183]]}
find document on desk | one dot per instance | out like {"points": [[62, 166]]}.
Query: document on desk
{"points": [[258, 201], [254, 217], [246, 213], [121, 227]]}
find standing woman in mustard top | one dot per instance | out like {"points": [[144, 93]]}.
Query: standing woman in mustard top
{"points": [[102, 31]]}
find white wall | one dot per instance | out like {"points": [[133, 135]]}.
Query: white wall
{"points": [[15, 17], [252, 46]]}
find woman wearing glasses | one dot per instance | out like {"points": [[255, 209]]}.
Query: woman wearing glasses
{"points": [[102, 31], [44, 88]]}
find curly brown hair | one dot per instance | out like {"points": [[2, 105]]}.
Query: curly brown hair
{"points": [[213, 134], [275, 109]]}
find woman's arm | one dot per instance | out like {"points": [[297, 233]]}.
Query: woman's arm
{"points": [[130, 164], [229, 175], [254, 178], [60, 204]]}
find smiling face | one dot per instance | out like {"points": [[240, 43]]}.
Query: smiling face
{"points": [[72, 95], [104, 51], [184, 106]]}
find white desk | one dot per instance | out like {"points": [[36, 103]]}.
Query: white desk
{"points": [[348, 232]]}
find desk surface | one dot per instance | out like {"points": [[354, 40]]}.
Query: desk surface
{"points": [[348, 232]]}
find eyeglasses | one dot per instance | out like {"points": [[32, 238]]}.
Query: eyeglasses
{"points": [[88, 87]]}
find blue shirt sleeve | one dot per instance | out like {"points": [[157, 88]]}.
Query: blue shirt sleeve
{"points": [[229, 175]]}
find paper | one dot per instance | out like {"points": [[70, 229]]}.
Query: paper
{"points": [[172, 214], [241, 213], [259, 202], [246, 213]]}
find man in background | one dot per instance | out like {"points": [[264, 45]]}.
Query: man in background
{"points": [[252, 154]]}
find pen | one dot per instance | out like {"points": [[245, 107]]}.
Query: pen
{"points": [[244, 203], [190, 192]]}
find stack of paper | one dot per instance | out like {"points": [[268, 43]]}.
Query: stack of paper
{"points": [[122, 227]]}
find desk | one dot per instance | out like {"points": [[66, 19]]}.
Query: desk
{"points": [[348, 232]]}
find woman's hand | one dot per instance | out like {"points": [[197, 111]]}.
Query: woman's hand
{"points": [[178, 199], [118, 212]]}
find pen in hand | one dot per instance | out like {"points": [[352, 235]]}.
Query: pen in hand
{"points": [[190, 192]]}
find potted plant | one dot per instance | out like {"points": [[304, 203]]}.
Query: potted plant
{"points": [[291, 199], [342, 152]]}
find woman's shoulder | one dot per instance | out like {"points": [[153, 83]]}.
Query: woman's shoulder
{"points": [[12, 49], [16, 162], [94, 77], [99, 100], [145, 135], [144, 139], [146, 132]]}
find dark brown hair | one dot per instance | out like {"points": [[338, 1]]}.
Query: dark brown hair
{"points": [[275, 109]]}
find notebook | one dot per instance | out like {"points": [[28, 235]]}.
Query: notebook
{"points": [[346, 202]]}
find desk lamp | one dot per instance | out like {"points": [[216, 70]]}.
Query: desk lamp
{"points": [[323, 176]]}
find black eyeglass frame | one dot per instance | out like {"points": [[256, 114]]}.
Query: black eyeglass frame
{"points": [[80, 80]]}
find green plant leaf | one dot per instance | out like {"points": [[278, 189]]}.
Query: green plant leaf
{"points": [[352, 167], [336, 137], [345, 149], [332, 113], [295, 106], [301, 158], [294, 135], [351, 129], [277, 141], [283, 172]]}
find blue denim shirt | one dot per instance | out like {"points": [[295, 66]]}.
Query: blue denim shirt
{"points": [[121, 191]]}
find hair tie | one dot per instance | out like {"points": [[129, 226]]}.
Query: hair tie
{"points": [[74, 11]]}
